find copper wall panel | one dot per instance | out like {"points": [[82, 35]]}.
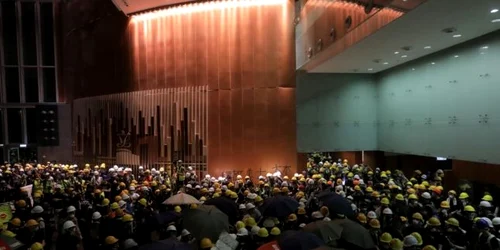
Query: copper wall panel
{"points": [[241, 57]]}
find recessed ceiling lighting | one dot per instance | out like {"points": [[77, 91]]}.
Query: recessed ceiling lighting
{"points": [[456, 56], [404, 56], [412, 68], [370, 69], [396, 52], [385, 63], [433, 63], [484, 47], [427, 47], [494, 11], [457, 35], [495, 21]]}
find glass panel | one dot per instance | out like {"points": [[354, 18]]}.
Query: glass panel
{"points": [[14, 125], [46, 17], [31, 84], [29, 36], [12, 84], [9, 32], [31, 125], [49, 85]]}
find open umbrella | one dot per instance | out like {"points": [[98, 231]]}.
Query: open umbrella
{"points": [[279, 206], [9, 243], [181, 199], [226, 206], [325, 230], [166, 245], [354, 236], [298, 240], [205, 222], [338, 205]]}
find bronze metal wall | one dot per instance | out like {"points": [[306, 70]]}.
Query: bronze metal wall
{"points": [[243, 56]]}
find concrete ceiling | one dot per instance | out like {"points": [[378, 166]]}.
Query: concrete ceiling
{"points": [[421, 30]]}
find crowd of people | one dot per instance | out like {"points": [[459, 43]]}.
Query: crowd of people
{"points": [[71, 207]]}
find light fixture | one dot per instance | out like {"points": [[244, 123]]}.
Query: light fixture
{"points": [[1, 145], [370, 69], [494, 11], [404, 56], [495, 20], [413, 69], [396, 52], [22, 145], [427, 47], [456, 56], [433, 63], [457, 35], [484, 47], [385, 63]]}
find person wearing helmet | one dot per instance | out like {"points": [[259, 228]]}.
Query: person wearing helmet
{"points": [[110, 243], [485, 209], [486, 240], [410, 243], [452, 200], [206, 244], [374, 229], [69, 237], [385, 241], [496, 226], [433, 234], [456, 236]]}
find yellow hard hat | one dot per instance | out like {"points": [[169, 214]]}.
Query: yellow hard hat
{"points": [[357, 188], [452, 222], [275, 231], [301, 211], [21, 203], [16, 222], [177, 209], [105, 202], [463, 195], [410, 190], [384, 201], [258, 199], [369, 189], [386, 238], [114, 206], [263, 233], [118, 198], [143, 202], [429, 247], [418, 237], [36, 246], [193, 206], [250, 222], [239, 225], [374, 223], [276, 190], [469, 208], [206, 243], [417, 216], [396, 244], [453, 192], [445, 204], [292, 217], [375, 194], [31, 223], [400, 197], [361, 218], [110, 240], [127, 218], [412, 197], [487, 197], [434, 221]]}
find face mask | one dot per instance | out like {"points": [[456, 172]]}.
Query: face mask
{"points": [[417, 222], [71, 215]]}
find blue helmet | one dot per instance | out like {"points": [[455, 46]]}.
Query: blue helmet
{"points": [[481, 224]]}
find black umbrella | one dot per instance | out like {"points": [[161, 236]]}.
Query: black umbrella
{"points": [[205, 222], [9, 243], [279, 206], [354, 235], [166, 217], [338, 205], [226, 206], [166, 245], [298, 240]]}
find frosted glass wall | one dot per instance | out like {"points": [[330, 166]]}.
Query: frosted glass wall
{"points": [[336, 112], [446, 104]]}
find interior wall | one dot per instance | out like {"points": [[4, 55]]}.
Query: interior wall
{"points": [[336, 112], [445, 104]]}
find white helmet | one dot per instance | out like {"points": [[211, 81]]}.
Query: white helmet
{"points": [[171, 228], [387, 211], [129, 243], [185, 232], [242, 232], [255, 230], [426, 195], [96, 215], [68, 224], [371, 215], [485, 204], [37, 210], [410, 241], [122, 204], [71, 209], [496, 221]]}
